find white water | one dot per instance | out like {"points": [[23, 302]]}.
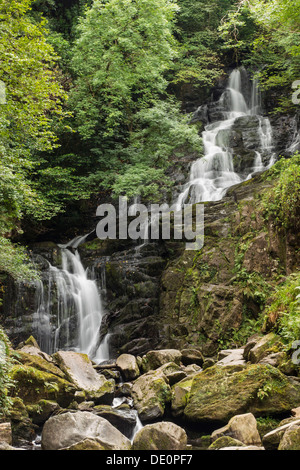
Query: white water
{"points": [[73, 301], [213, 174]]}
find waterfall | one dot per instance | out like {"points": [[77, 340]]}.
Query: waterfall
{"points": [[214, 173], [70, 309]]}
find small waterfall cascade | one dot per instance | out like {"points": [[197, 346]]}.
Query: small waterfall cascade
{"points": [[214, 173], [70, 308]]}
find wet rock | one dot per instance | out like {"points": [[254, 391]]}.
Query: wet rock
{"points": [[40, 412]]}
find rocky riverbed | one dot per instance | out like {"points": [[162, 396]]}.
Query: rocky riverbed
{"points": [[169, 399]]}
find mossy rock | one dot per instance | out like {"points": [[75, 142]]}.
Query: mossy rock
{"points": [[225, 441], [41, 411], [219, 393], [33, 385]]}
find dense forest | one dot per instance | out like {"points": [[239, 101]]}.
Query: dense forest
{"points": [[97, 101]]}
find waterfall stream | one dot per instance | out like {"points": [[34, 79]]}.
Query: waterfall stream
{"points": [[71, 299], [213, 174]]}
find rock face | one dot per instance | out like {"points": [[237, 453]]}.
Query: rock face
{"points": [[160, 436], [70, 429]]}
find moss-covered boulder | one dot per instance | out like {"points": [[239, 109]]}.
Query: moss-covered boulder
{"points": [[33, 385], [225, 441], [41, 411], [219, 393], [151, 392]]}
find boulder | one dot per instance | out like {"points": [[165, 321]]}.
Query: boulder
{"points": [[290, 439], [232, 357], [225, 441], [180, 396], [40, 412], [172, 372], [221, 392], [127, 364], [265, 346], [71, 429], [272, 439], [243, 448], [79, 370], [192, 356], [160, 436], [242, 428], [154, 359], [6, 433], [150, 393], [123, 418], [33, 385]]}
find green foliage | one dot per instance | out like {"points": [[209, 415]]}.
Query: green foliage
{"points": [[32, 96], [15, 261], [5, 382], [282, 203], [199, 63], [119, 59], [266, 35], [285, 309]]}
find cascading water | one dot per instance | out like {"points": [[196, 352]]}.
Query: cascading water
{"points": [[213, 174], [70, 309]]}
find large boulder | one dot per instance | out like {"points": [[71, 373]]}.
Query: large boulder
{"points": [[219, 393], [79, 370], [72, 429], [160, 436], [242, 428], [33, 385]]}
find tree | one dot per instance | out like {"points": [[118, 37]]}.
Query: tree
{"points": [[32, 97], [124, 48]]}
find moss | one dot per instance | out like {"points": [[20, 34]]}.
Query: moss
{"points": [[32, 385]]}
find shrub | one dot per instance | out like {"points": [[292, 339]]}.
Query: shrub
{"points": [[282, 203], [5, 381]]}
